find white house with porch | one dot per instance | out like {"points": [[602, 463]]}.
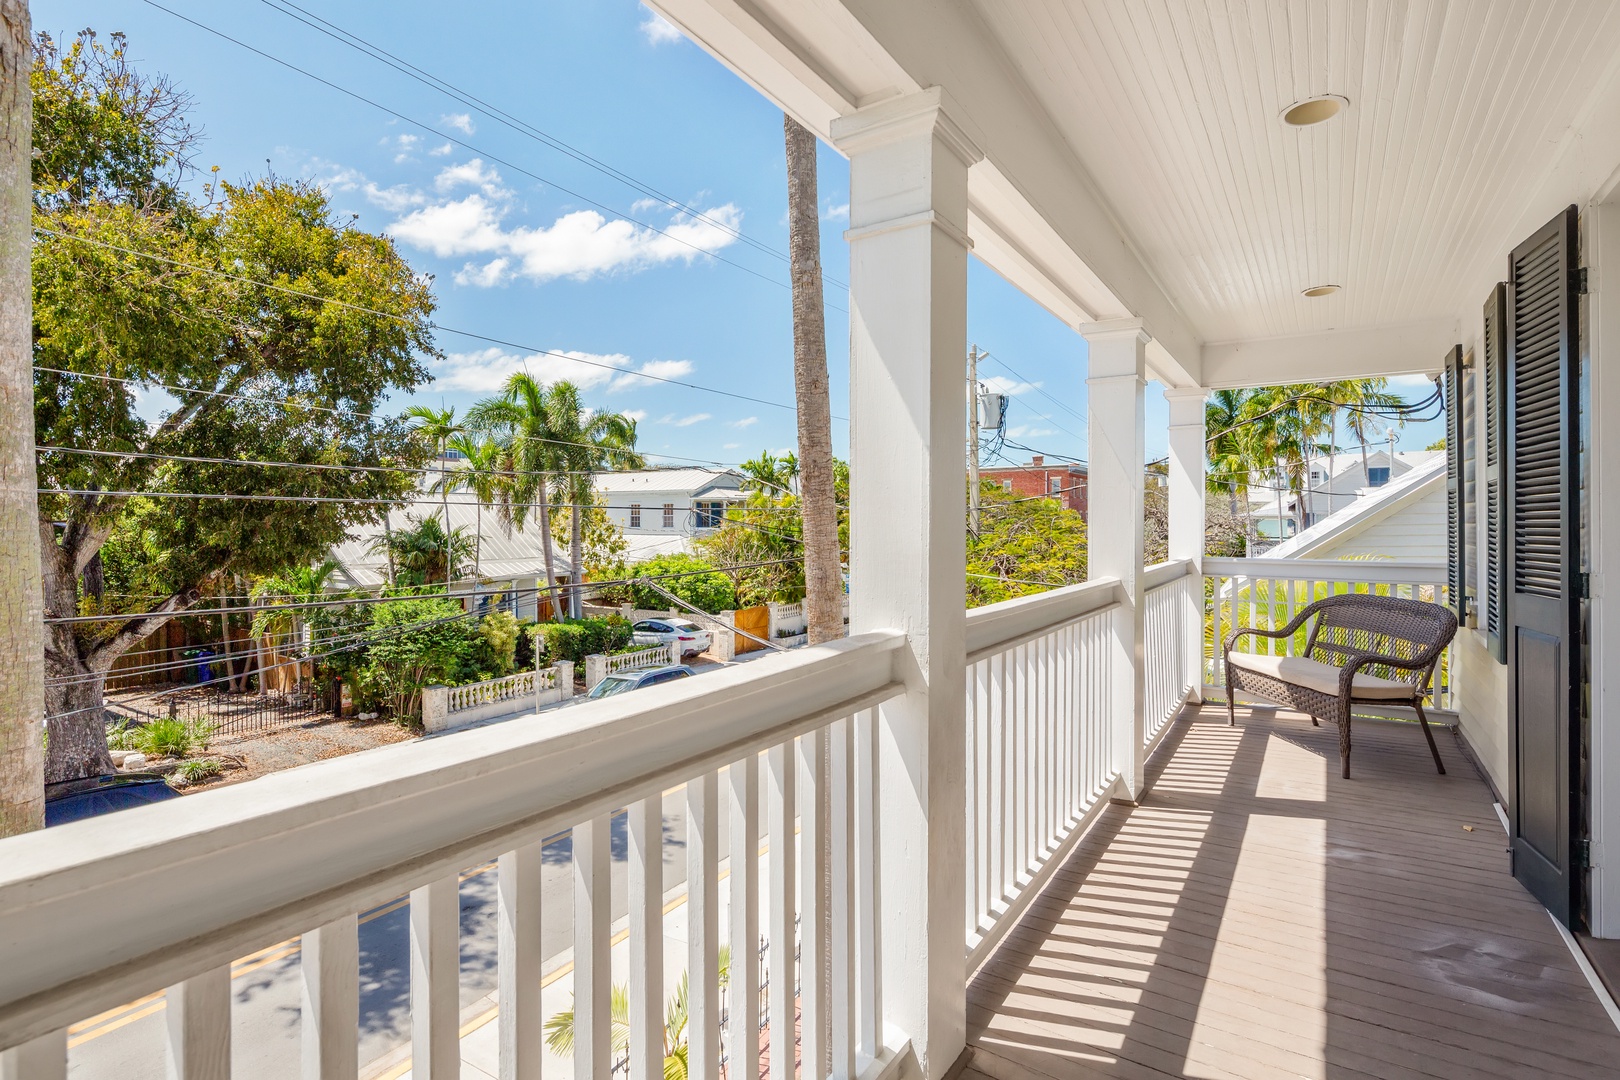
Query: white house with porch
{"points": [[1010, 842]]}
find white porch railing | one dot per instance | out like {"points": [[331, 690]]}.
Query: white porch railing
{"points": [[1172, 602], [1040, 743], [1269, 592], [95, 914]]}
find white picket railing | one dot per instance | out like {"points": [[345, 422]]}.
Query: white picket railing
{"points": [[650, 657], [1172, 606], [94, 917], [1040, 743], [521, 685], [1269, 592]]}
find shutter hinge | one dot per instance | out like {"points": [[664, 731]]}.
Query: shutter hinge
{"points": [[1582, 855], [1583, 585], [1578, 280]]}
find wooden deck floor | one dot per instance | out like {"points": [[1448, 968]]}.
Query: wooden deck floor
{"points": [[1257, 916]]}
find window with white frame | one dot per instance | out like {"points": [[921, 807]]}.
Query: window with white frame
{"points": [[635, 515], [669, 515]]}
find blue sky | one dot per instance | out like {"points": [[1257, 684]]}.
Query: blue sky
{"points": [[533, 247]]}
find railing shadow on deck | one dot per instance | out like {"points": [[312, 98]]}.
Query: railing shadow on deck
{"points": [[1256, 915]]}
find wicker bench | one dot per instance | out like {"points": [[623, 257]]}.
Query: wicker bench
{"points": [[1362, 649]]}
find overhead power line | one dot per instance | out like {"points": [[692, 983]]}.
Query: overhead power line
{"points": [[489, 339], [440, 134], [522, 127]]}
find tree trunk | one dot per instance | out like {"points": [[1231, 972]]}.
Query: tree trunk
{"points": [[22, 706], [576, 556], [544, 510], [823, 564]]}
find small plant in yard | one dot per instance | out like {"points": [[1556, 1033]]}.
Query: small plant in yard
{"points": [[194, 772], [173, 737], [120, 736]]}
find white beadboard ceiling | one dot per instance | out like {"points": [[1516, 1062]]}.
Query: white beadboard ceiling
{"points": [[1456, 113]]}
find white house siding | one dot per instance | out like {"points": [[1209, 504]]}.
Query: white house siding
{"points": [[1481, 688], [1413, 533]]}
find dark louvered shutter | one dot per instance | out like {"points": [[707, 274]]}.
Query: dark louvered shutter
{"points": [[1543, 548], [1494, 350], [1451, 383]]}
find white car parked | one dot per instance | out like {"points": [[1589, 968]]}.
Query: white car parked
{"points": [[693, 638]]}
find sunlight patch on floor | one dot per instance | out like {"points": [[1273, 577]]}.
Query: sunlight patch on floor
{"points": [[1291, 771]]}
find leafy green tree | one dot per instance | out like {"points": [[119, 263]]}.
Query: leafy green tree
{"points": [[414, 644], [136, 279], [700, 584], [1024, 546], [587, 442], [282, 594], [602, 546], [766, 528]]}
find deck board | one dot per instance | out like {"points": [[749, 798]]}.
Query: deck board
{"points": [[1258, 916]]}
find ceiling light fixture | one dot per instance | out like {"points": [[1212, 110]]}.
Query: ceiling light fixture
{"points": [[1314, 110], [1320, 290]]}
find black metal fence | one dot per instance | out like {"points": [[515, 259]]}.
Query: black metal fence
{"points": [[230, 713]]}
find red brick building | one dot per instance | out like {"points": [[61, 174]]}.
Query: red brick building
{"points": [[1064, 482]]}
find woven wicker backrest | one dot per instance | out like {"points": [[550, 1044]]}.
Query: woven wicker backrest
{"points": [[1391, 626]]}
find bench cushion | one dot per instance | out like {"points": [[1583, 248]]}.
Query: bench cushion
{"points": [[1323, 678]]}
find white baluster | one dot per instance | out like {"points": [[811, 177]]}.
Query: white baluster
{"points": [[198, 1018], [843, 1002], [742, 987], [436, 980], [518, 959], [703, 927], [329, 962], [781, 767], [868, 947], [593, 1052], [813, 871], [646, 893]]}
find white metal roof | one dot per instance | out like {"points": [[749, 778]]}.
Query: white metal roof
{"points": [[665, 480]]}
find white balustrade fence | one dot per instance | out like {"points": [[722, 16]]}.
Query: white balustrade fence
{"points": [[95, 917], [1172, 609], [521, 685], [1268, 593], [452, 706], [1040, 743], [650, 657]]}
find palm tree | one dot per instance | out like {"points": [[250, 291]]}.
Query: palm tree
{"points": [[438, 426], [518, 423], [1364, 396], [423, 552], [587, 442], [485, 476]]}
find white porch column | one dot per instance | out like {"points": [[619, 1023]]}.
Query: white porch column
{"points": [[1187, 463], [908, 345], [1115, 417]]}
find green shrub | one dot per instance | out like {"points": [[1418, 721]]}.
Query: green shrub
{"points": [[576, 639], [700, 585], [418, 643], [193, 772], [500, 630], [120, 736], [172, 737]]}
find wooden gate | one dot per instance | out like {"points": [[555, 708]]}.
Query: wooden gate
{"points": [[753, 620]]}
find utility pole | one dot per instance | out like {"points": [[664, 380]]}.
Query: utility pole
{"points": [[973, 439]]}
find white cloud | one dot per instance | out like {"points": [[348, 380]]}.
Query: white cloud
{"points": [[405, 144], [487, 370], [832, 212], [334, 178], [997, 385], [1024, 431], [662, 369], [441, 151], [487, 276], [659, 30], [638, 415], [684, 421], [731, 446], [747, 421], [578, 245], [462, 122], [472, 173]]}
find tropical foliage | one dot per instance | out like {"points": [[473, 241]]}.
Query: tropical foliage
{"points": [[699, 584], [575, 639], [1024, 546], [419, 552], [764, 534]]}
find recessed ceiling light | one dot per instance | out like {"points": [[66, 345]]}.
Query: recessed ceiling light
{"points": [[1320, 290], [1314, 110]]}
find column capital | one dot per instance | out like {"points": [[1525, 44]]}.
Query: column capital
{"points": [[1199, 394], [1111, 330], [926, 112]]}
